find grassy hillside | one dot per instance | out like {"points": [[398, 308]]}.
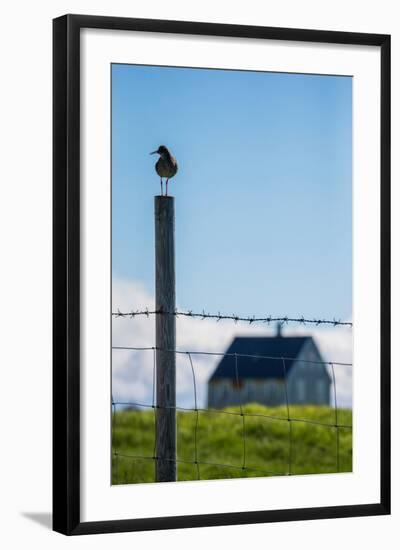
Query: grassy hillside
{"points": [[220, 441]]}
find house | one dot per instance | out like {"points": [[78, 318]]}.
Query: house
{"points": [[257, 373]]}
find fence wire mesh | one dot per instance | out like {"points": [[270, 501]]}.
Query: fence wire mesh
{"points": [[242, 411]]}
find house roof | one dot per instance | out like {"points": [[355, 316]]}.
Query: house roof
{"points": [[263, 366]]}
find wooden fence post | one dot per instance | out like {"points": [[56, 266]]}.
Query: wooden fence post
{"points": [[165, 339]]}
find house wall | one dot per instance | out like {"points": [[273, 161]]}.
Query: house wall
{"points": [[224, 392]]}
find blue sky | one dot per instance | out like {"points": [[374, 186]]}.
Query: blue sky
{"points": [[263, 192]]}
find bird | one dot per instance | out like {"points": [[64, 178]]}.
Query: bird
{"points": [[166, 166]]}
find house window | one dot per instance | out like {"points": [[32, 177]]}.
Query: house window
{"points": [[224, 392], [320, 391], [301, 390], [237, 383]]}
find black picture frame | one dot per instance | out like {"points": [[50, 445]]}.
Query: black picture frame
{"points": [[66, 273]]}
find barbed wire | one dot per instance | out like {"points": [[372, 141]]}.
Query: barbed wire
{"points": [[242, 412], [232, 317]]}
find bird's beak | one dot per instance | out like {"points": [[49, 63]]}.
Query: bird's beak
{"points": [[153, 152]]}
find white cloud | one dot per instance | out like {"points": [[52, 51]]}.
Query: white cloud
{"points": [[133, 370]]}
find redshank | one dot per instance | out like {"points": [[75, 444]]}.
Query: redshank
{"points": [[166, 166]]}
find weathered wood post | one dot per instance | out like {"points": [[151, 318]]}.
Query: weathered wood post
{"points": [[165, 339]]}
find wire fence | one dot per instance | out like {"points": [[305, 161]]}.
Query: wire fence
{"points": [[243, 412]]}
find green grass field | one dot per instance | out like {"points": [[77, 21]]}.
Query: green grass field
{"points": [[220, 441]]}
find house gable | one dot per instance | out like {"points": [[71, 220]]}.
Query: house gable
{"points": [[309, 381]]}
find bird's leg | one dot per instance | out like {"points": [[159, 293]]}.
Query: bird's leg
{"points": [[166, 185], [161, 186]]}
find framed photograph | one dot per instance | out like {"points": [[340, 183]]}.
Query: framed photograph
{"points": [[221, 274]]}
